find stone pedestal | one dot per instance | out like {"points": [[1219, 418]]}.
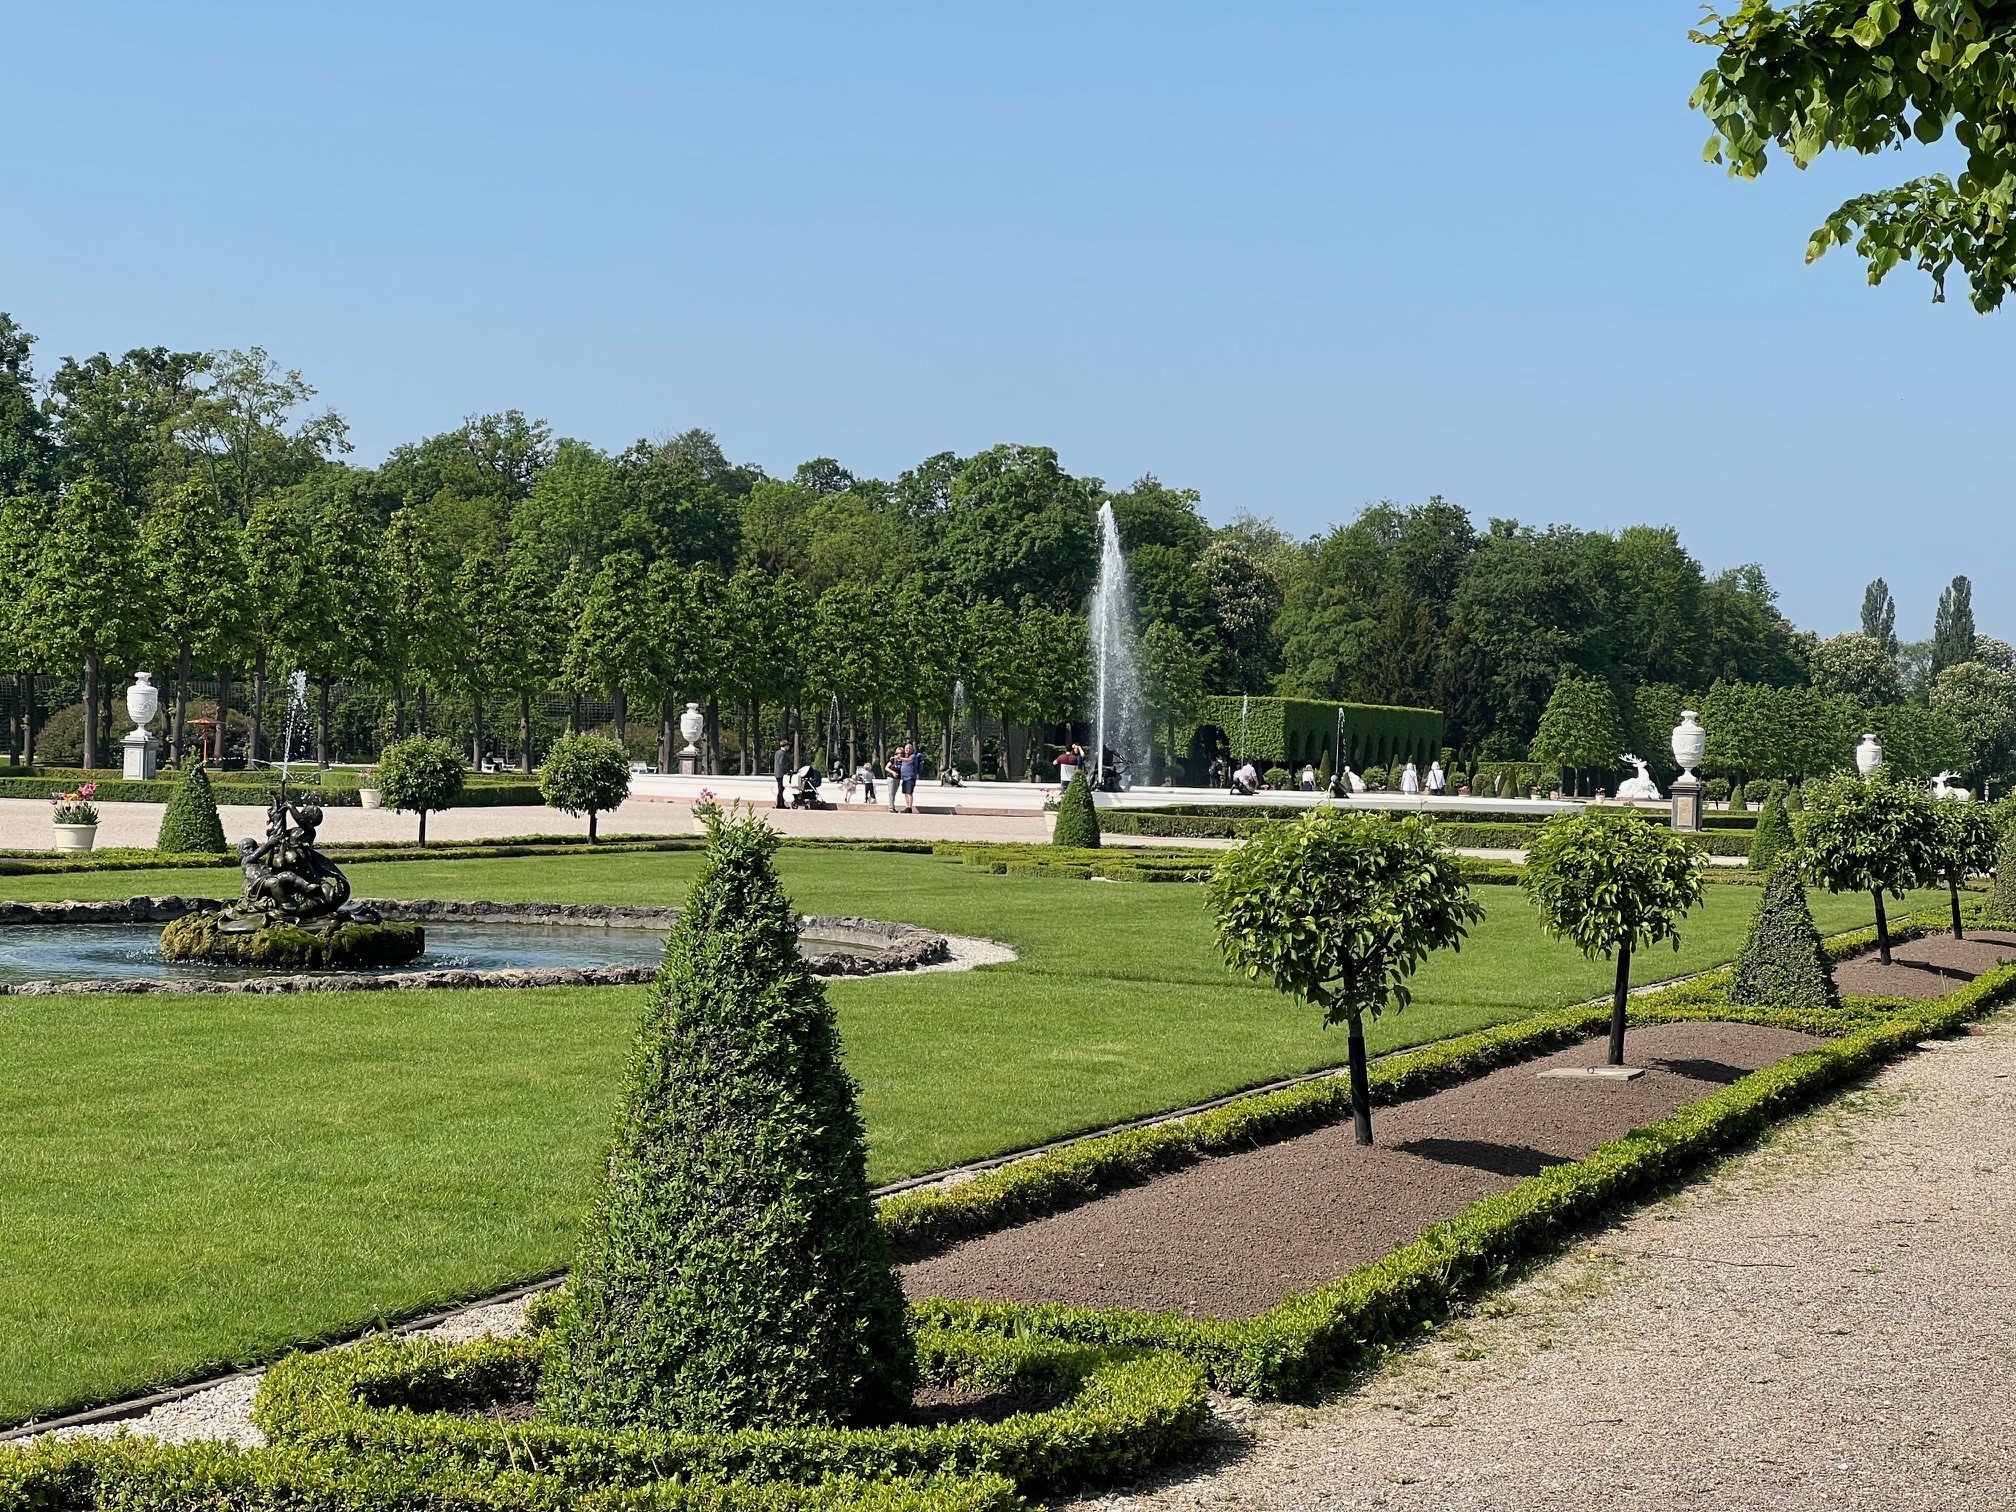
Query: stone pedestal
{"points": [[1687, 802], [139, 748], [689, 765]]}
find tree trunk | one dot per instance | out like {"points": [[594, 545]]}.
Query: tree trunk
{"points": [[1953, 887], [524, 732], [176, 746], [665, 727], [591, 826], [322, 723], [398, 708], [223, 727], [256, 744], [1361, 1086], [476, 733], [423, 827], [574, 713], [621, 718], [1619, 996], [420, 724], [1882, 928], [90, 709], [713, 737]]}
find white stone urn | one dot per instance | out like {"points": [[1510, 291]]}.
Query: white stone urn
{"points": [[1690, 741], [691, 723], [76, 837], [370, 798], [143, 701], [1868, 756]]}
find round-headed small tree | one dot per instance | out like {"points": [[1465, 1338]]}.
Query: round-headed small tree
{"points": [[585, 774], [1077, 816], [1612, 883], [1968, 842], [421, 775], [189, 823], [1339, 910], [1870, 835], [732, 1273]]}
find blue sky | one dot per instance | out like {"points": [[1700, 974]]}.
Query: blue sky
{"points": [[1299, 257]]}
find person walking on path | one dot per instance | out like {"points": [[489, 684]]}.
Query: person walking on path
{"points": [[780, 767], [912, 764], [1410, 780], [1436, 781], [865, 780]]}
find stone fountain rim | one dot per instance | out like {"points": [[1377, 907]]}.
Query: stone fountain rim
{"points": [[884, 947]]}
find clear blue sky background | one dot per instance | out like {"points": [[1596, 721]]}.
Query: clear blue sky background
{"points": [[1297, 256]]}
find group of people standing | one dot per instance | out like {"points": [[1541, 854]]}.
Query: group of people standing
{"points": [[901, 770], [1246, 779]]}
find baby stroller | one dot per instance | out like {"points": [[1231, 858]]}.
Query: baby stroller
{"points": [[804, 791]]}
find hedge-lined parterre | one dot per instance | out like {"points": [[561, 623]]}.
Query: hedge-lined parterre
{"points": [[1105, 1415]]}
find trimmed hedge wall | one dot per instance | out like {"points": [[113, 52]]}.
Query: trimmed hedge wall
{"points": [[139, 1474], [1118, 1413], [1290, 731], [1290, 1351]]}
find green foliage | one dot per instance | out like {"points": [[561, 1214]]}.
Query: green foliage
{"points": [[1077, 816], [1115, 1415], [2002, 895], [1339, 910], [421, 774], [1981, 702], [347, 947], [585, 774], [1579, 729], [189, 824], [1968, 839], [1864, 78], [1782, 963], [1773, 835], [1608, 881], [1793, 732], [731, 1273], [1869, 836], [1301, 729]]}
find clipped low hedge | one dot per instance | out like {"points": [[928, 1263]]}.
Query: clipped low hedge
{"points": [[1118, 1412], [1289, 1351], [139, 1474], [229, 791]]}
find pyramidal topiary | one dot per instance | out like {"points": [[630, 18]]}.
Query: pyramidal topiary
{"points": [[1782, 964], [1077, 818], [1773, 834], [731, 1272], [2002, 895], [189, 823]]}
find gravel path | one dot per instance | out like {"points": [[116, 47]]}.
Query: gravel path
{"points": [[1827, 1322]]}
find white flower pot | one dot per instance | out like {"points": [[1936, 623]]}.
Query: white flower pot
{"points": [[370, 798], [1050, 822], [76, 837]]}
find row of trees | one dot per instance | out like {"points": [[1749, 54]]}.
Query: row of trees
{"points": [[194, 511]]}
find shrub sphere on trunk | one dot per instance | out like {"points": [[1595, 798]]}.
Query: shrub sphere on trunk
{"points": [[1782, 963], [732, 1273], [421, 774], [2002, 896], [189, 823], [1077, 816], [585, 774]]}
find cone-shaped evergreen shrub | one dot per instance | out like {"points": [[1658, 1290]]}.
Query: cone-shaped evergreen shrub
{"points": [[1077, 818], [190, 822], [732, 1272], [1773, 834], [2002, 896], [1782, 964]]}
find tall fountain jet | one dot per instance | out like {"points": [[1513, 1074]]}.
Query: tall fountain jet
{"points": [[1118, 727]]}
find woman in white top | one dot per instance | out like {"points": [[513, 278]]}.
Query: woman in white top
{"points": [[1308, 777], [1410, 780], [1436, 781]]}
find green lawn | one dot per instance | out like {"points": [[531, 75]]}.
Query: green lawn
{"points": [[186, 1181]]}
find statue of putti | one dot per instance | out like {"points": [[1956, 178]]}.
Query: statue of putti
{"points": [[287, 879]]}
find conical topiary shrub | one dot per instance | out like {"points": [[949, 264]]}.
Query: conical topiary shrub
{"points": [[1782, 964], [732, 1273], [189, 823], [1773, 834], [1077, 817], [2002, 895]]}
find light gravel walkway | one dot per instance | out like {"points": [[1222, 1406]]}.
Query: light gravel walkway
{"points": [[1827, 1322]]}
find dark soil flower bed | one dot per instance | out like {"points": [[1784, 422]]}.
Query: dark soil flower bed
{"points": [[1928, 967], [1233, 1235]]}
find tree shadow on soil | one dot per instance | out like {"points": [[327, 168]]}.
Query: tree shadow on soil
{"points": [[1483, 1155], [1719, 1072]]}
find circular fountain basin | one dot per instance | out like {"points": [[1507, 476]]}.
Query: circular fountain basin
{"points": [[116, 947]]}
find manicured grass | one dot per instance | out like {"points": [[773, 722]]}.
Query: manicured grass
{"points": [[186, 1181]]}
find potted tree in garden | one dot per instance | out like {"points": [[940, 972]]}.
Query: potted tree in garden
{"points": [[1868, 834], [420, 775], [76, 818], [1967, 841], [585, 774], [1339, 910], [1612, 883]]}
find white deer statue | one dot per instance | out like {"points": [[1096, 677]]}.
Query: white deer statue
{"points": [[1942, 787], [1640, 787]]}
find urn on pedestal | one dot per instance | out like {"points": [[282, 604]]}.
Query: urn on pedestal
{"points": [[143, 701], [691, 723], [1690, 744]]}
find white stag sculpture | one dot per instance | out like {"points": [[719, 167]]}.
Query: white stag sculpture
{"points": [[1642, 786], [1942, 787]]}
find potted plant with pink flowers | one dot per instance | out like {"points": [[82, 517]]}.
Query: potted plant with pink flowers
{"points": [[76, 818]]}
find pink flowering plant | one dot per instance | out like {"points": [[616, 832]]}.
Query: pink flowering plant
{"points": [[75, 806]]}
